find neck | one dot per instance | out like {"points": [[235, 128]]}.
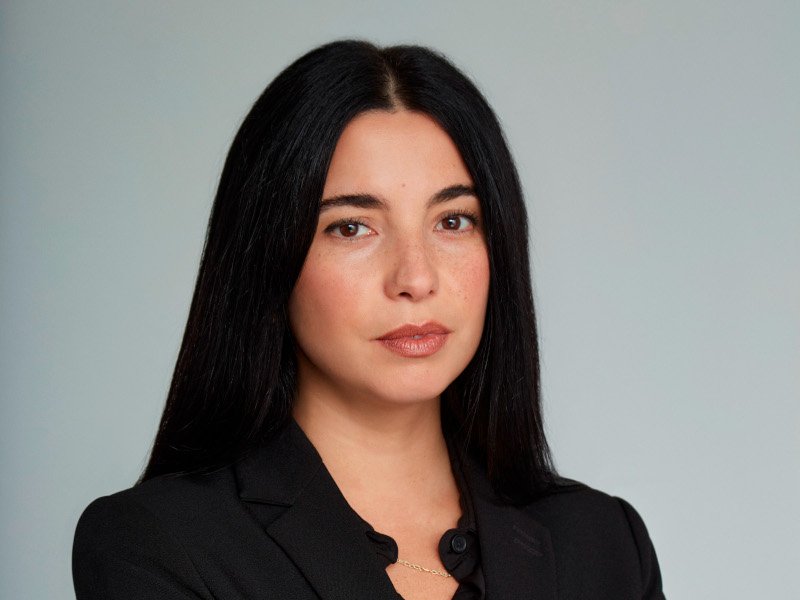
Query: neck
{"points": [[379, 453], [380, 439]]}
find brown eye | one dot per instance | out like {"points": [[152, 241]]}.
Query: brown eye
{"points": [[459, 222], [452, 222], [348, 229]]}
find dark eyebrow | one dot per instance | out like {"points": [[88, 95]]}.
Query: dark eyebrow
{"points": [[451, 193], [369, 201], [357, 200]]}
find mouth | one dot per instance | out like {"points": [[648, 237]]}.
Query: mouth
{"points": [[416, 341], [415, 331]]}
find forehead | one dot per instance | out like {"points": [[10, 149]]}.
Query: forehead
{"points": [[394, 150]]}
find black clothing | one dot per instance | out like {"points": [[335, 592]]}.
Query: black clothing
{"points": [[274, 525]]}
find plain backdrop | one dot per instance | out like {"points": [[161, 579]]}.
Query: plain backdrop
{"points": [[659, 147]]}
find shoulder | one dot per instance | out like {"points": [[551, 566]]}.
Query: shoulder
{"points": [[141, 538], [575, 508], [589, 526], [569, 499], [168, 500]]}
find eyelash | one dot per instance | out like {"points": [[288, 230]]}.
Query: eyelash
{"points": [[471, 216], [336, 224]]}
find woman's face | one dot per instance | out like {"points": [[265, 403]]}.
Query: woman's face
{"points": [[400, 242]]}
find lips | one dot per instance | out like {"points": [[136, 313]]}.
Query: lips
{"points": [[411, 331], [416, 341]]}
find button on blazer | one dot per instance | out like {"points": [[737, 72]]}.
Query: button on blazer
{"points": [[274, 525]]}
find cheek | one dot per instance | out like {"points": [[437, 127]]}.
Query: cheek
{"points": [[470, 277], [323, 297], [309, 304], [479, 280]]}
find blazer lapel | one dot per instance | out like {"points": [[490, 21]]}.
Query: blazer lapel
{"points": [[516, 551], [300, 507]]}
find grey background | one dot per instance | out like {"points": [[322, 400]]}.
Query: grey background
{"points": [[659, 146]]}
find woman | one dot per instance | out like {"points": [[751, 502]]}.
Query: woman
{"points": [[355, 409]]}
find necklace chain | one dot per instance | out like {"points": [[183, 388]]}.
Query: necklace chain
{"points": [[423, 569]]}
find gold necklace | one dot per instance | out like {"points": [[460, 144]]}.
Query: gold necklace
{"points": [[423, 569]]}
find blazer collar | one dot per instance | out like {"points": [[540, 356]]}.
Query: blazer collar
{"points": [[318, 530], [516, 550], [294, 497]]}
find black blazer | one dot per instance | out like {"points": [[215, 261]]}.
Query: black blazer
{"points": [[275, 526]]}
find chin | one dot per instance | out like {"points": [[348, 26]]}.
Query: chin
{"points": [[411, 390]]}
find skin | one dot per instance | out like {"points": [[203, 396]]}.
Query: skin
{"points": [[374, 415]]}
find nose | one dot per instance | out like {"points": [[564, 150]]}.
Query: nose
{"points": [[412, 272]]}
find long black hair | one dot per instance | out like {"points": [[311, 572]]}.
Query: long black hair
{"points": [[234, 380]]}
